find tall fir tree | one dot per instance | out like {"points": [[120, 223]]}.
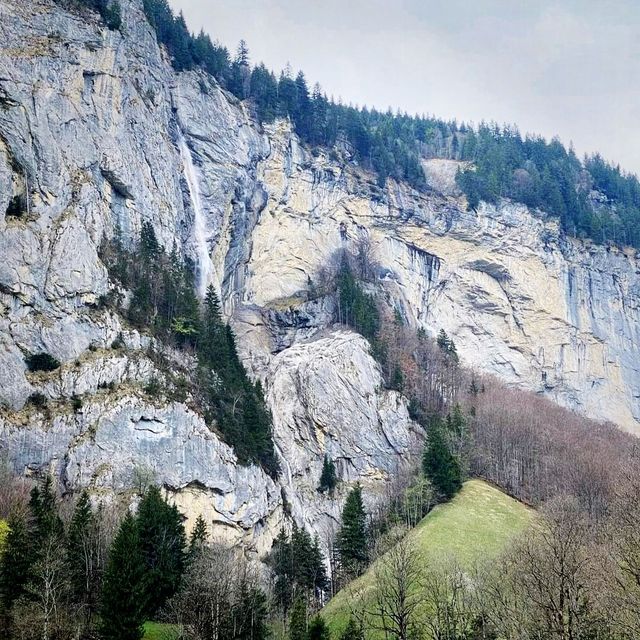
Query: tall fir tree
{"points": [[82, 562], [199, 535], [443, 340], [353, 631], [439, 464], [457, 422], [281, 562], [163, 548], [43, 508], [352, 535], [328, 478], [318, 629], [298, 619], [308, 562], [15, 562], [252, 614], [298, 566], [355, 307], [318, 569], [215, 346], [124, 592]]}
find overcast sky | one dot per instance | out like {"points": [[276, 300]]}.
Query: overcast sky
{"points": [[569, 68]]}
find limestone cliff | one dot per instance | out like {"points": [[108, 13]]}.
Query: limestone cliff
{"points": [[97, 132]]}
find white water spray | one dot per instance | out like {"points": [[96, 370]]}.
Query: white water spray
{"points": [[204, 265]]}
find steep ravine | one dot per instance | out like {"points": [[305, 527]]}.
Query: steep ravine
{"points": [[101, 134]]}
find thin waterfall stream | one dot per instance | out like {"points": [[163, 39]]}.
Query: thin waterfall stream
{"points": [[204, 265]]}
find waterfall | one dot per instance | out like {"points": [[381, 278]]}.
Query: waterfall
{"points": [[199, 223]]}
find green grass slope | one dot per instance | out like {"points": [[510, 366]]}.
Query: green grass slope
{"points": [[475, 526], [4, 532], [160, 631]]}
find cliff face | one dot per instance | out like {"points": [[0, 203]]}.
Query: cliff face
{"points": [[97, 133], [540, 310]]}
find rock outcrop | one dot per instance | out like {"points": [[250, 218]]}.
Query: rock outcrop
{"points": [[98, 133], [327, 397]]}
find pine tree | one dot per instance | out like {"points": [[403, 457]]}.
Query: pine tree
{"points": [[301, 558], [179, 44], [298, 566], [318, 568], [45, 520], [318, 629], [352, 536], [447, 345], [199, 535], [15, 563], [443, 340], [281, 562], [150, 248], [240, 72], [264, 92], [81, 560], [298, 620], [352, 631], [124, 596], [453, 352], [457, 422], [215, 347], [328, 478], [355, 307], [439, 464], [162, 541], [252, 614], [242, 55], [303, 113]]}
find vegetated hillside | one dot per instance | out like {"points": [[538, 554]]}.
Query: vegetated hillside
{"points": [[473, 528]]}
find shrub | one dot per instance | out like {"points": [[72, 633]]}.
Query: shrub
{"points": [[76, 403], [42, 362], [16, 207], [153, 388], [107, 300], [37, 399], [113, 16], [180, 389]]}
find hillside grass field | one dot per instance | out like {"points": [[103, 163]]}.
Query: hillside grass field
{"points": [[474, 527], [4, 532], [159, 631]]}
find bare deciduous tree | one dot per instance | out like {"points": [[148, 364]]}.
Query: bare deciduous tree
{"points": [[621, 571], [399, 580], [219, 599], [46, 611], [364, 258], [14, 491], [548, 578], [448, 598]]}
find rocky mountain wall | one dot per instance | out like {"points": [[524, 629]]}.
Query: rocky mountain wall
{"points": [[98, 133]]}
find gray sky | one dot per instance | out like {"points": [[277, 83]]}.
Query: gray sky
{"points": [[569, 68]]}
